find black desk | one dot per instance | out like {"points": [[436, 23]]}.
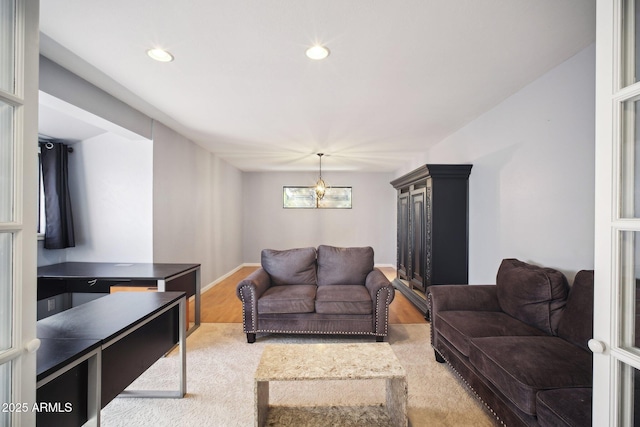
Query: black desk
{"points": [[97, 278], [89, 354]]}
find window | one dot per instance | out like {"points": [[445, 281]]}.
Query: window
{"points": [[305, 198]]}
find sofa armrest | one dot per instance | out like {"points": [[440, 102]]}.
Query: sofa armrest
{"points": [[459, 298], [248, 291], [382, 293], [259, 281]]}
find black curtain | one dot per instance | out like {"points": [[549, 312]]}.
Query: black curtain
{"points": [[54, 157]]}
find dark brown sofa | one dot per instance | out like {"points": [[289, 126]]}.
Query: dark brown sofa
{"points": [[520, 345], [330, 290]]}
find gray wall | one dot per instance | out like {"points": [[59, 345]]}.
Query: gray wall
{"points": [[532, 183], [61, 83], [371, 221], [197, 206]]}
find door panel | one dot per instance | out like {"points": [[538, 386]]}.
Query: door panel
{"points": [[18, 207], [403, 236], [617, 210], [417, 235]]}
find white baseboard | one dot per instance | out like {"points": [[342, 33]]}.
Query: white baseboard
{"points": [[224, 276], [385, 265], [220, 279]]}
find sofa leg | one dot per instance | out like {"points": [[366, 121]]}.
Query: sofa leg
{"points": [[251, 338], [439, 358], [379, 339]]}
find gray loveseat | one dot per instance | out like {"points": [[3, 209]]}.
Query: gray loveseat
{"points": [[520, 345], [330, 290]]}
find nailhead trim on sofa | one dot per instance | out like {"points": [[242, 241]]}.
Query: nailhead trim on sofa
{"points": [[255, 330]]}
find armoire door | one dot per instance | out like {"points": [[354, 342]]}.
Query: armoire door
{"points": [[403, 236], [417, 234]]}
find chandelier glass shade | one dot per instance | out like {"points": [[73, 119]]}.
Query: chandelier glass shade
{"points": [[321, 186]]}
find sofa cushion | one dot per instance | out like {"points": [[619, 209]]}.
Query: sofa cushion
{"points": [[290, 267], [458, 327], [288, 299], [343, 299], [564, 407], [343, 266], [576, 324], [522, 366], [535, 295]]}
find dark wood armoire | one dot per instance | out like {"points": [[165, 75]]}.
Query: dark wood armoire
{"points": [[433, 230]]}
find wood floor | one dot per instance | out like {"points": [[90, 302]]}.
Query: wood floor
{"points": [[220, 304]]}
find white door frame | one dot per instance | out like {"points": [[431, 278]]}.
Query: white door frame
{"points": [[24, 99], [614, 257]]}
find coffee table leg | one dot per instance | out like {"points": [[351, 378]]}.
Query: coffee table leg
{"points": [[397, 401], [262, 402]]}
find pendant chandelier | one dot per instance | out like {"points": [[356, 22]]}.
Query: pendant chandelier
{"points": [[321, 187]]}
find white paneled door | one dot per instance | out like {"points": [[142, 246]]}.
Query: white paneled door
{"points": [[616, 342], [18, 204]]}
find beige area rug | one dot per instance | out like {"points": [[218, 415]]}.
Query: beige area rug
{"points": [[220, 367]]}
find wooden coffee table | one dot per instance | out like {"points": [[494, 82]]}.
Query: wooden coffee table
{"points": [[303, 362]]}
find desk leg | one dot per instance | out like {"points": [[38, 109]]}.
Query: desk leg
{"points": [[197, 299], [182, 340], [262, 402], [182, 369], [397, 394], [94, 392]]}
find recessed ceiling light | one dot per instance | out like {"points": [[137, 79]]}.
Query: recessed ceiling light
{"points": [[317, 52], [160, 55]]}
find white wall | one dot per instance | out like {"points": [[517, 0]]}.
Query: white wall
{"points": [[371, 221], [110, 181], [197, 206], [532, 183]]}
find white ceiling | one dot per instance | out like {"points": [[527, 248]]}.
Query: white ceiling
{"points": [[402, 74]]}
